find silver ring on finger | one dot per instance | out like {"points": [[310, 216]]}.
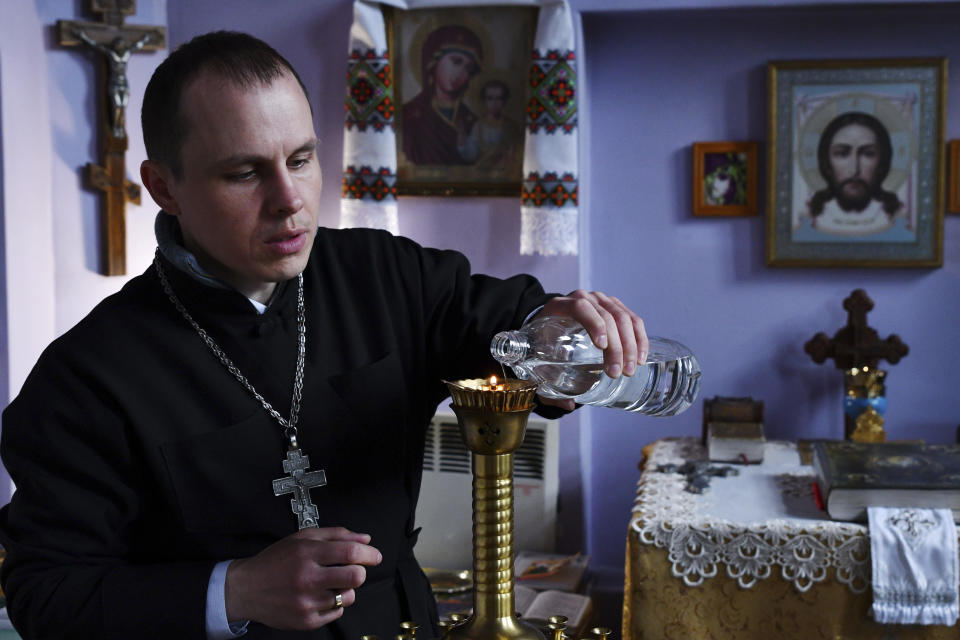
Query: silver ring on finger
{"points": [[338, 600]]}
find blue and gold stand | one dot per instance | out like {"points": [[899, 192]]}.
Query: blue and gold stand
{"points": [[864, 403]]}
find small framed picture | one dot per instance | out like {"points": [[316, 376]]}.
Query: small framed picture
{"points": [[954, 180], [856, 162], [460, 84], [724, 178]]}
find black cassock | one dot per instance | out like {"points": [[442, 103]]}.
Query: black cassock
{"points": [[140, 461]]}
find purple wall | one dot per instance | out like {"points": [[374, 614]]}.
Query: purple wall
{"points": [[661, 80]]}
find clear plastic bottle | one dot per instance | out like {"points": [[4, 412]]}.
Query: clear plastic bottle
{"points": [[558, 352]]}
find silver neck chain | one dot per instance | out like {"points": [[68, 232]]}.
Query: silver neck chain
{"points": [[289, 424]]}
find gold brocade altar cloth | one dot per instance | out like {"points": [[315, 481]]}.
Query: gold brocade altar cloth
{"points": [[752, 557]]}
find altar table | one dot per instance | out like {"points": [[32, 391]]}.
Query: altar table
{"points": [[751, 557]]}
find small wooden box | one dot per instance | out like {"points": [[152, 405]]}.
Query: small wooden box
{"points": [[723, 409], [735, 442]]}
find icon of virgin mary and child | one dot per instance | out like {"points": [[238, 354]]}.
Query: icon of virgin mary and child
{"points": [[438, 127]]}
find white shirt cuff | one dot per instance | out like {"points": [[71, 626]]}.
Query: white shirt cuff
{"points": [[218, 628]]}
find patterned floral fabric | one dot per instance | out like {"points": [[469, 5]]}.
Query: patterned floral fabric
{"points": [[549, 187], [553, 92], [549, 212], [549, 202], [692, 574], [658, 606], [701, 546], [369, 193], [365, 183], [369, 90]]}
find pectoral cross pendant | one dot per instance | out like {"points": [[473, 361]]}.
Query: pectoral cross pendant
{"points": [[299, 483]]}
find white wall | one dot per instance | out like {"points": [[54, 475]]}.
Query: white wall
{"points": [[50, 219], [27, 201]]}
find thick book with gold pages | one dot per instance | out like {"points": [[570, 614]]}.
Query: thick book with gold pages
{"points": [[852, 476]]}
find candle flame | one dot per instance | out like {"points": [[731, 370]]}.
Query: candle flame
{"points": [[493, 380]]}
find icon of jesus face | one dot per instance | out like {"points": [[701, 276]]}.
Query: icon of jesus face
{"points": [[854, 157]]}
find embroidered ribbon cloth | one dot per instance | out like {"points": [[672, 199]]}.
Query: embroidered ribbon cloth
{"points": [[369, 197], [914, 557], [549, 197]]}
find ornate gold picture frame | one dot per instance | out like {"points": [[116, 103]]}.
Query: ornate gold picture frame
{"points": [[954, 180], [460, 80], [856, 163]]}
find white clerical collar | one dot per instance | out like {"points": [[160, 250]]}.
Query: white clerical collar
{"points": [[259, 306]]}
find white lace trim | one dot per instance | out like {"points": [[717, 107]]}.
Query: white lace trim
{"points": [[548, 231], [665, 516], [370, 214]]}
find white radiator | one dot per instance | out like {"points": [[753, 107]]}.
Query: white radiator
{"points": [[445, 508]]}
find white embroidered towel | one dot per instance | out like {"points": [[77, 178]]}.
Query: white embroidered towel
{"points": [[914, 556]]}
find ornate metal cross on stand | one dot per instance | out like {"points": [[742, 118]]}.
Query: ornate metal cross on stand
{"points": [[117, 42], [299, 483], [857, 349]]}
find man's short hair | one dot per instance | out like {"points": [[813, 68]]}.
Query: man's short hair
{"points": [[236, 57]]}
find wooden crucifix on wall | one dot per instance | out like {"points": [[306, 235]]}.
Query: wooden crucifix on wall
{"points": [[115, 42]]}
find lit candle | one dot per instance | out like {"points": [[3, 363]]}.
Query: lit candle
{"points": [[492, 385]]}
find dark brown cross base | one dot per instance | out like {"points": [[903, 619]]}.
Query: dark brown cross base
{"points": [[116, 42], [856, 345]]}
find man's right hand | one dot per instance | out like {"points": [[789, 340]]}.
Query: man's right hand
{"points": [[292, 584]]}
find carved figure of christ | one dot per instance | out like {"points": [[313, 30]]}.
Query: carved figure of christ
{"points": [[117, 43]]}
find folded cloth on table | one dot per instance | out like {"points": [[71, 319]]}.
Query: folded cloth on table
{"points": [[914, 557]]}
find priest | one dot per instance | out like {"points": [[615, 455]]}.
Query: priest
{"points": [[232, 444]]}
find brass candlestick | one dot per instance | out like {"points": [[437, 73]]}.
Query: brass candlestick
{"points": [[493, 418]]}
